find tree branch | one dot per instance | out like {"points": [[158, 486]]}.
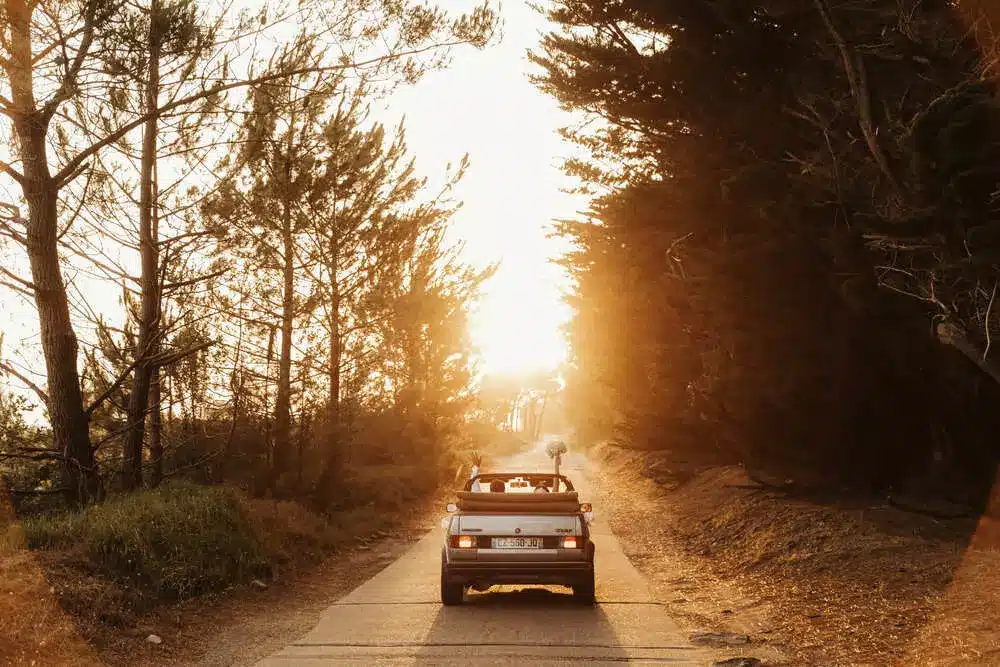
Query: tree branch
{"points": [[13, 173], [31, 385], [192, 281], [68, 84], [857, 79], [112, 388], [64, 174], [173, 357], [25, 285]]}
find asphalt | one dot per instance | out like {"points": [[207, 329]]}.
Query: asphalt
{"points": [[396, 618]]}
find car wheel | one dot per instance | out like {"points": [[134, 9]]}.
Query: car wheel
{"points": [[584, 590], [451, 592]]}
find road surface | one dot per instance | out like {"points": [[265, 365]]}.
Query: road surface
{"points": [[396, 617]]}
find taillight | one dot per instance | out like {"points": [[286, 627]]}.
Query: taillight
{"points": [[463, 541], [570, 542]]}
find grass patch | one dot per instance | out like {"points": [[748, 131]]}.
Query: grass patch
{"points": [[106, 567], [184, 539], [289, 534], [175, 541]]}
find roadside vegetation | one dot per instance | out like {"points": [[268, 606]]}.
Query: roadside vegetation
{"points": [[74, 582], [802, 571], [785, 310], [790, 262], [243, 320]]}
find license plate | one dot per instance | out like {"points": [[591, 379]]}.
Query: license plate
{"points": [[517, 543]]}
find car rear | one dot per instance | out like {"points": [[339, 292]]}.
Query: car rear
{"points": [[483, 549]]}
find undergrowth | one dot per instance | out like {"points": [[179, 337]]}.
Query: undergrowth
{"points": [[175, 541]]}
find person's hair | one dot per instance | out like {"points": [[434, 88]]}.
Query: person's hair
{"points": [[497, 486]]}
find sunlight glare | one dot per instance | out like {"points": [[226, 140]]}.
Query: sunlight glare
{"points": [[517, 327], [485, 105]]}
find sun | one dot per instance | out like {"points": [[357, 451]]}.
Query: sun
{"points": [[517, 328]]}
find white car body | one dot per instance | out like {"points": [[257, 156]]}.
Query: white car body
{"points": [[517, 537]]}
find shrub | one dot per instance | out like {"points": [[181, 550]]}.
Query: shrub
{"points": [[289, 533], [177, 540]]}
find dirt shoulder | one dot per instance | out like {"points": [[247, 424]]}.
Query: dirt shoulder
{"points": [[56, 610], [244, 625], [832, 581]]}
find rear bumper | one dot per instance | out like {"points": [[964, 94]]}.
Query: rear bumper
{"points": [[565, 570]]}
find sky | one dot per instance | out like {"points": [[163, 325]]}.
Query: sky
{"points": [[485, 105]]}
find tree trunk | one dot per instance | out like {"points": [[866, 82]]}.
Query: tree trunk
{"points": [[149, 308], [155, 431], [303, 436], [335, 342], [283, 400], [156, 381], [539, 423], [268, 422], [70, 423], [236, 388]]}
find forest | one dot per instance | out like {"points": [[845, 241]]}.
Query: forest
{"points": [[793, 232], [238, 274]]}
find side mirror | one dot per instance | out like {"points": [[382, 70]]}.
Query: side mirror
{"points": [[586, 507], [451, 507]]}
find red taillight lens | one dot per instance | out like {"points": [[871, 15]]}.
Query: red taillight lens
{"points": [[570, 542], [463, 541]]}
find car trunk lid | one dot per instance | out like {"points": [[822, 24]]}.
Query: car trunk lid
{"points": [[501, 525]]}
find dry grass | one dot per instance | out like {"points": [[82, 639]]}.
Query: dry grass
{"points": [[35, 629], [94, 573], [835, 581], [95, 578]]}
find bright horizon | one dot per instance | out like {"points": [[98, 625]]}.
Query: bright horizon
{"points": [[483, 105]]}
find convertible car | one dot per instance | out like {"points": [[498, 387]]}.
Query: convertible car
{"points": [[517, 528]]}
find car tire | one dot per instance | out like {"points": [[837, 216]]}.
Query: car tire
{"points": [[584, 591], [452, 593]]}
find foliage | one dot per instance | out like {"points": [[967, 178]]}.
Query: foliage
{"points": [[760, 170], [175, 541], [86, 79]]}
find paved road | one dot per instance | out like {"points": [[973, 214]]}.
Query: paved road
{"points": [[396, 617]]}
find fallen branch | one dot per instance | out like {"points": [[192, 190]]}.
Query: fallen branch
{"points": [[926, 511], [36, 492], [951, 334]]}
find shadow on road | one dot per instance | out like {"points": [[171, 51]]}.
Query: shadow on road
{"points": [[534, 597], [532, 624]]}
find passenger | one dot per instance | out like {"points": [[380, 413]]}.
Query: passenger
{"points": [[497, 486], [542, 487]]}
